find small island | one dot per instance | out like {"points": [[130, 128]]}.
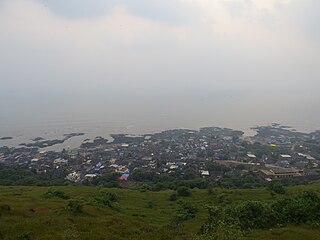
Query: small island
{"points": [[40, 142], [6, 138]]}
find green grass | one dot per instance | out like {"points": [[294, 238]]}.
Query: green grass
{"points": [[141, 215]]}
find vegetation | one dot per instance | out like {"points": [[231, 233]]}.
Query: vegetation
{"points": [[276, 188], [27, 213], [51, 193], [75, 206], [183, 191], [108, 199], [17, 175], [143, 181]]}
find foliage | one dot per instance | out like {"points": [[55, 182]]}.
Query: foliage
{"points": [[183, 191], [210, 190], [185, 212], [221, 231], [150, 204], [24, 236], [49, 219], [71, 234], [5, 208], [219, 226], [110, 180], [51, 193], [215, 167], [75, 206], [108, 199], [276, 187], [223, 199], [304, 208], [246, 181], [22, 176], [253, 215], [143, 187], [301, 209], [173, 197]]}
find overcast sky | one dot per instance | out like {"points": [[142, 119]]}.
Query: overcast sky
{"points": [[227, 55]]}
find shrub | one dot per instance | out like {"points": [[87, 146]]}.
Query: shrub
{"points": [[173, 197], [186, 211], [304, 208], [253, 214], [221, 231], [150, 204], [143, 187], [24, 236], [5, 208], [75, 206], [107, 199], [56, 193], [71, 234], [223, 199], [219, 226], [210, 191], [277, 188], [183, 191]]}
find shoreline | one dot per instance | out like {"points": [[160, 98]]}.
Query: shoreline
{"points": [[74, 140]]}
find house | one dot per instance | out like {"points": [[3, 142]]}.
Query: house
{"points": [[90, 176], [251, 157], [285, 157], [277, 173], [204, 173], [124, 177], [73, 177]]}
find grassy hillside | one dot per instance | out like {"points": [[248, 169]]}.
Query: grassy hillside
{"points": [[135, 215]]}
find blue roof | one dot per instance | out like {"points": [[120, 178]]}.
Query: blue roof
{"points": [[125, 175]]}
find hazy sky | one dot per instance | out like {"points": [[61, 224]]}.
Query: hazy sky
{"points": [[258, 59]]}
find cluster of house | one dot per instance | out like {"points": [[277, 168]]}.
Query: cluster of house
{"points": [[174, 151]]}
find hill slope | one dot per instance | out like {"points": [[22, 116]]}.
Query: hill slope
{"points": [[42, 213]]}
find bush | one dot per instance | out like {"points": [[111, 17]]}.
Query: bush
{"points": [[221, 231], [183, 191], [173, 197], [24, 236], [150, 204], [56, 193], [304, 208], [71, 234], [277, 188], [219, 226], [224, 199], [186, 211], [107, 199], [301, 209], [253, 215], [75, 206], [1, 235], [5, 208], [143, 187]]}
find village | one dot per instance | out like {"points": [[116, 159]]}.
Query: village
{"points": [[275, 152]]}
